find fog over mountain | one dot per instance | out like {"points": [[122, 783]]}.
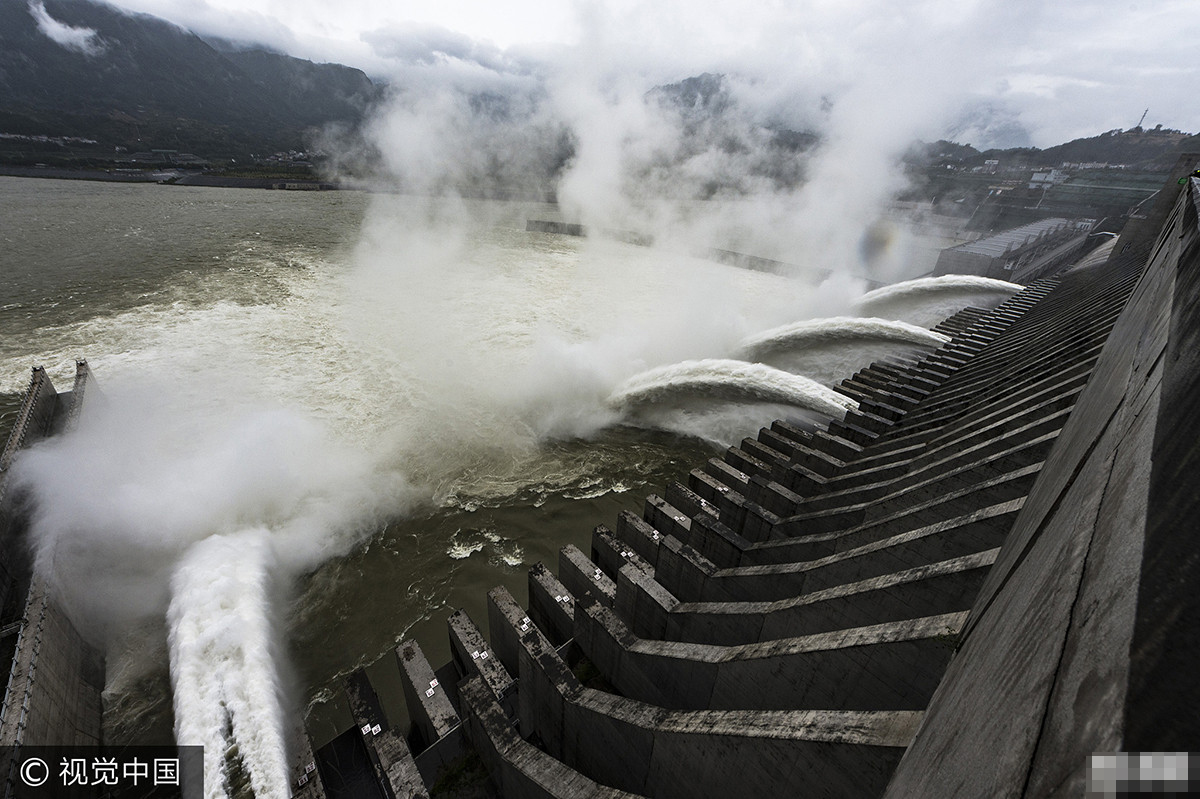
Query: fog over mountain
{"points": [[81, 68], [983, 72], [796, 128], [1061, 70]]}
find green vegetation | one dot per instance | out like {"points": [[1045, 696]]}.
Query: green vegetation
{"points": [[157, 87]]}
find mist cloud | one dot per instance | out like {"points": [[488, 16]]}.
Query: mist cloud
{"points": [[417, 43], [80, 40], [153, 468], [772, 131], [1110, 42]]}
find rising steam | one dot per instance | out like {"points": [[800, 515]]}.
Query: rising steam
{"points": [[175, 500], [199, 501]]}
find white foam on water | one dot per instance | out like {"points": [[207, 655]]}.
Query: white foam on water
{"points": [[459, 551], [242, 437]]}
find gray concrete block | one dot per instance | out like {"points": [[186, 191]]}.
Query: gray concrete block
{"points": [[638, 536], [432, 714], [724, 473], [305, 780], [642, 748], [581, 576], [501, 605], [745, 462], [715, 542], [517, 767], [890, 666], [666, 518], [776, 441], [643, 602], [688, 502], [776, 498], [610, 553], [389, 753], [727, 501], [551, 605], [474, 657], [682, 570]]}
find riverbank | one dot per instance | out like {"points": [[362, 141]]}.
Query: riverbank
{"points": [[171, 177]]}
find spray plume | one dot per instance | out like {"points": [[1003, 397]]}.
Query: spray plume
{"points": [[196, 509], [838, 330], [829, 350], [926, 301], [223, 663], [728, 379], [174, 501]]}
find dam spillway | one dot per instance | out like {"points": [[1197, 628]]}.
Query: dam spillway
{"points": [[723, 378], [967, 564], [55, 677]]}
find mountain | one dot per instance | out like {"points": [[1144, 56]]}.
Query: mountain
{"points": [[989, 125], [747, 149], [1153, 150], [84, 69], [1156, 148]]}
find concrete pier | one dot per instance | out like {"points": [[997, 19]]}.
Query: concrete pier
{"points": [[964, 588], [830, 609]]}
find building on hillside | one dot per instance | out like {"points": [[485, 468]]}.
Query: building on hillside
{"points": [[1018, 255], [1044, 180]]}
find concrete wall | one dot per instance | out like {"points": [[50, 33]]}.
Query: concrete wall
{"points": [[1044, 675], [1162, 701], [33, 423], [54, 678], [1006, 512]]}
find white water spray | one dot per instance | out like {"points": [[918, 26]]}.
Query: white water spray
{"points": [[222, 668], [725, 379], [836, 331], [180, 502], [932, 286], [927, 300]]}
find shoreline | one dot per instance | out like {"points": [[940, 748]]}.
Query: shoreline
{"points": [[171, 178]]}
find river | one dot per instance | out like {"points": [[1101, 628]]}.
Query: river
{"points": [[432, 377]]}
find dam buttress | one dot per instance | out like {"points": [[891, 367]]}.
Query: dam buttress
{"points": [[965, 587], [938, 595]]}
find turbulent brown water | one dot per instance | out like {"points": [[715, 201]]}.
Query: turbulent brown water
{"points": [[454, 369]]}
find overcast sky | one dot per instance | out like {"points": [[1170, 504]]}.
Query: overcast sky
{"points": [[1055, 70]]}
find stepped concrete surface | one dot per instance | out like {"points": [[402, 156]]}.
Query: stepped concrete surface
{"points": [[934, 596], [966, 587]]}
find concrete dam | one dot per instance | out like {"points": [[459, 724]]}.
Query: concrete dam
{"points": [[967, 584]]}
